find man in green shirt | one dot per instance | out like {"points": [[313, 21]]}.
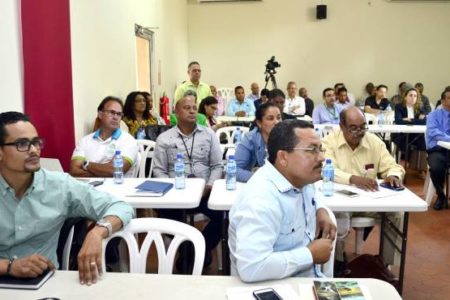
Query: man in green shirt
{"points": [[36, 202], [194, 84]]}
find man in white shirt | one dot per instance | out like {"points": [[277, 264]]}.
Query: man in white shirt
{"points": [[93, 154], [294, 105]]}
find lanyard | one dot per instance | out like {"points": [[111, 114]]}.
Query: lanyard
{"points": [[332, 112], [185, 147]]}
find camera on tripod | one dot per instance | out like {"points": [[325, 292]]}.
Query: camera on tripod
{"points": [[271, 65], [270, 71]]}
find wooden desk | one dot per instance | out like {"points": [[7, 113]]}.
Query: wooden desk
{"points": [[65, 286], [402, 201]]}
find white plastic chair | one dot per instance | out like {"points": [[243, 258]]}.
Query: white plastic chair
{"points": [[51, 164], [144, 148], [371, 118], [358, 224], [229, 132], [328, 267], [155, 227], [66, 250], [225, 93]]}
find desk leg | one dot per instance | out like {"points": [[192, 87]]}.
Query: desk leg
{"points": [[406, 155], [382, 226], [225, 249]]}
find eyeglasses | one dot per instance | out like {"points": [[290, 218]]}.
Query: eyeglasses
{"points": [[355, 129], [24, 145], [313, 150], [113, 113]]}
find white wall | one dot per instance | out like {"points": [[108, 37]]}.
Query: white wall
{"points": [[378, 40], [10, 57], [104, 50]]}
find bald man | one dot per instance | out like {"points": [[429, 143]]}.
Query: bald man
{"points": [[254, 87]]}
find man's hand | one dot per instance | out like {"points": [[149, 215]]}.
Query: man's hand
{"points": [[325, 225], [367, 184], [90, 256], [320, 250], [393, 181], [240, 114], [30, 266]]}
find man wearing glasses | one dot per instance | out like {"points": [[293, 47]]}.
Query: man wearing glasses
{"points": [[277, 227], [35, 203], [358, 156], [93, 154]]}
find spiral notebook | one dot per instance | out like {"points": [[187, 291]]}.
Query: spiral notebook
{"points": [[9, 282]]}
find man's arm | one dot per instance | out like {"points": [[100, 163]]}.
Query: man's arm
{"points": [[26, 267], [434, 131], [106, 169], [387, 165], [160, 161], [76, 169], [215, 159]]}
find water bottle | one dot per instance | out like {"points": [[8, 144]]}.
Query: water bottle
{"points": [[140, 135], [118, 168], [179, 172], [328, 179], [237, 135], [388, 108], [381, 118], [231, 173]]}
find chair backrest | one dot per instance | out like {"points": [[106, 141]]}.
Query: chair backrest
{"points": [[229, 132], [144, 148], [51, 164], [389, 118], [66, 250], [371, 118], [155, 227], [328, 267], [226, 93]]}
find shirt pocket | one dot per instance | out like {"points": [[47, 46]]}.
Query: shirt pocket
{"points": [[291, 234], [201, 151]]}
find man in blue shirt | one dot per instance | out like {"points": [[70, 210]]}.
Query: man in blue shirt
{"points": [[35, 203], [277, 227], [438, 129], [241, 106]]}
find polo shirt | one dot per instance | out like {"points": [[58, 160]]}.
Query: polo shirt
{"points": [[202, 91]]}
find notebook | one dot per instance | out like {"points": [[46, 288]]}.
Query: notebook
{"points": [[9, 282], [338, 290], [152, 189]]}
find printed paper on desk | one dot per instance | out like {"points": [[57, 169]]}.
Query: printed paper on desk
{"points": [[306, 291], [246, 293]]}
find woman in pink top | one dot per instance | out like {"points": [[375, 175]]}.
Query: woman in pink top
{"points": [[220, 101]]}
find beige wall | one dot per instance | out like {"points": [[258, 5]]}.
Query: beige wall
{"points": [[380, 41], [104, 50]]}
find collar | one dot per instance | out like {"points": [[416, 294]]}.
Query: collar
{"points": [[342, 142], [5, 187], [115, 135], [280, 182], [190, 83], [197, 128]]}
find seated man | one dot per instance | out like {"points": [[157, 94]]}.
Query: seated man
{"points": [[203, 158], [358, 156], [438, 129], [342, 99], [93, 154], [36, 202], [294, 105], [254, 87], [377, 103], [309, 103], [274, 224], [327, 112], [241, 106]]}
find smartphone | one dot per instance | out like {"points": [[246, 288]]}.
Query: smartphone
{"points": [[96, 183], [391, 187], [266, 294], [347, 193]]}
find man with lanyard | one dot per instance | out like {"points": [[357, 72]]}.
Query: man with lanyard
{"points": [[93, 154], [328, 112], [193, 84], [203, 159], [277, 227]]}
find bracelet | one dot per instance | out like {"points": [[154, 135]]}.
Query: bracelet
{"points": [[8, 268]]}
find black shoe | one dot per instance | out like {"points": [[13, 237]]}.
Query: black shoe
{"points": [[439, 204], [208, 259]]}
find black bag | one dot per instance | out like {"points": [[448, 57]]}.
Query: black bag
{"points": [[153, 131], [370, 266]]}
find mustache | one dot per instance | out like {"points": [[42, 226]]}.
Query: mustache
{"points": [[32, 156], [318, 166]]}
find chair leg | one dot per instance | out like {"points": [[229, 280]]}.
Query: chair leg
{"points": [[359, 234], [219, 256], [430, 193]]}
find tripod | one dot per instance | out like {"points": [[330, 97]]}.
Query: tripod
{"points": [[270, 75]]}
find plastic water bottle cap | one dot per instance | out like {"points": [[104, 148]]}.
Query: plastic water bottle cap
{"points": [[117, 152], [180, 156], [328, 161], [231, 157]]}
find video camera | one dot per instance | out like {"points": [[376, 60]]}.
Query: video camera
{"points": [[271, 65]]}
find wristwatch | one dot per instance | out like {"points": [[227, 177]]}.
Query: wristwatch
{"points": [[105, 223], [85, 165]]}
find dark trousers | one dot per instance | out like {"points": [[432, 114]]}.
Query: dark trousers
{"points": [[212, 231], [438, 166]]}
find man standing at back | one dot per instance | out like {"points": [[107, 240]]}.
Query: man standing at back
{"points": [[36, 202], [93, 154], [194, 84], [203, 159]]}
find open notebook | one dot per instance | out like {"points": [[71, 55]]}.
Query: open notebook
{"points": [[9, 282]]}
